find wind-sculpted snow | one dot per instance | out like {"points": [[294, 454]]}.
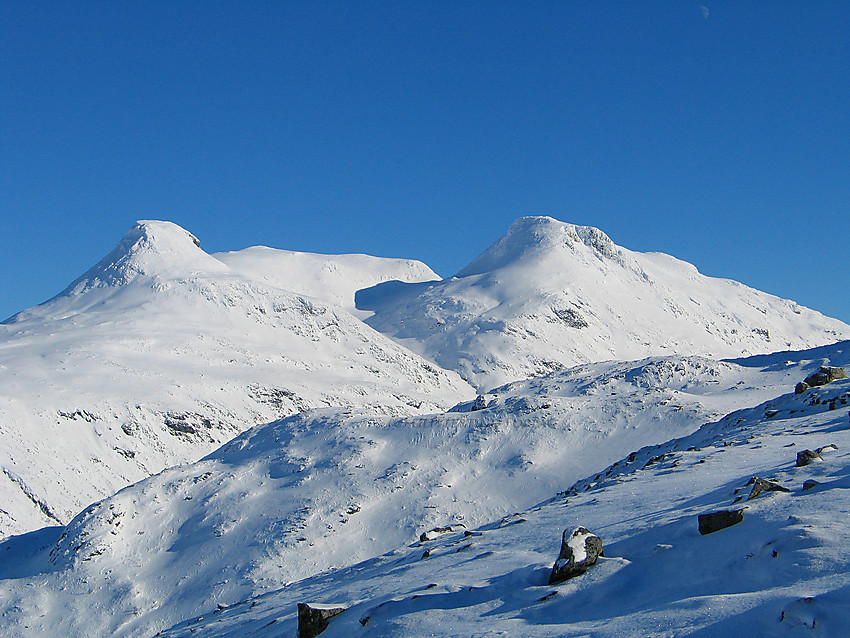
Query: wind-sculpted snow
{"points": [[324, 490], [158, 355], [550, 295]]}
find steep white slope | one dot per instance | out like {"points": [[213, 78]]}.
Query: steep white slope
{"points": [[327, 489], [159, 354], [550, 294], [332, 279]]}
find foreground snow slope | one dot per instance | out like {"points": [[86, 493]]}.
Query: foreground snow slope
{"points": [[783, 571], [327, 489], [158, 355], [550, 294]]}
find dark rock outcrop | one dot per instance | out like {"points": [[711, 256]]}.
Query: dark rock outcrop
{"points": [[313, 619], [715, 521], [807, 456], [761, 485], [431, 534], [579, 550], [826, 374]]}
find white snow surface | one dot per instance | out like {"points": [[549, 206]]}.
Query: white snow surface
{"points": [[551, 294], [783, 571], [577, 543], [333, 279], [158, 355], [327, 506], [355, 487]]}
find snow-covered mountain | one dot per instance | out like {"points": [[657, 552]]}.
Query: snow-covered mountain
{"points": [[324, 490], [551, 294], [160, 353]]}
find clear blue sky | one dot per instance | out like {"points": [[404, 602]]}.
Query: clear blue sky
{"points": [[713, 131]]}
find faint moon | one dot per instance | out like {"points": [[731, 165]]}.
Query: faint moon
{"points": [[704, 10]]}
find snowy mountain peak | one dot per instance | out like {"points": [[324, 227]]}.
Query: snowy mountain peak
{"points": [[535, 237], [151, 248]]}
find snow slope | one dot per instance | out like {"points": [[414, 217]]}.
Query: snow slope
{"points": [[782, 571], [324, 490], [159, 354], [550, 294], [333, 279]]}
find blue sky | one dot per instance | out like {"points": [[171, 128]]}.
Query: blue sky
{"points": [[713, 131]]}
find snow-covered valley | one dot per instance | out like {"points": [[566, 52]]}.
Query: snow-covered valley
{"points": [[331, 448]]}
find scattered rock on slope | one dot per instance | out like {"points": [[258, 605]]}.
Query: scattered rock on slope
{"points": [[579, 551], [715, 521], [807, 456], [826, 374], [313, 619], [761, 485]]}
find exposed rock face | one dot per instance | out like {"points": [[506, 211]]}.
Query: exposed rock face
{"points": [[579, 550], [826, 374], [807, 456], [313, 619], [761, 485], [715, 521]]}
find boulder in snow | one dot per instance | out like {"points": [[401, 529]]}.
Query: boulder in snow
{"points": [[826, 374], [761, 485], [313, 619], [579, 550], [715, 521], [807, 456]]}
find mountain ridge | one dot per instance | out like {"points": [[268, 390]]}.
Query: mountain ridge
{"points": [[549, 294]]}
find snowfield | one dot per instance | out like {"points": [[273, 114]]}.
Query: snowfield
{"points": [[319, 492], [193, 444]]}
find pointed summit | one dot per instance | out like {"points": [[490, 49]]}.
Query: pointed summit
{"points": [[149, 249], [535, 239]]}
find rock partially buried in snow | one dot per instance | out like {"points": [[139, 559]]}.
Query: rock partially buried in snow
{"points": [[761, 485], [313, 618], [807, 456], [826, 374], [431, 534], [715, 521], [579, 550]]}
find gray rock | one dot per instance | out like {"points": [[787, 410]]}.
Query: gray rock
{"points": [[579, 550], [801, 387], [715, 521], [313, 619], [431, 534], [807, 456], [826, 374], [810, 484], [761, 485]]}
